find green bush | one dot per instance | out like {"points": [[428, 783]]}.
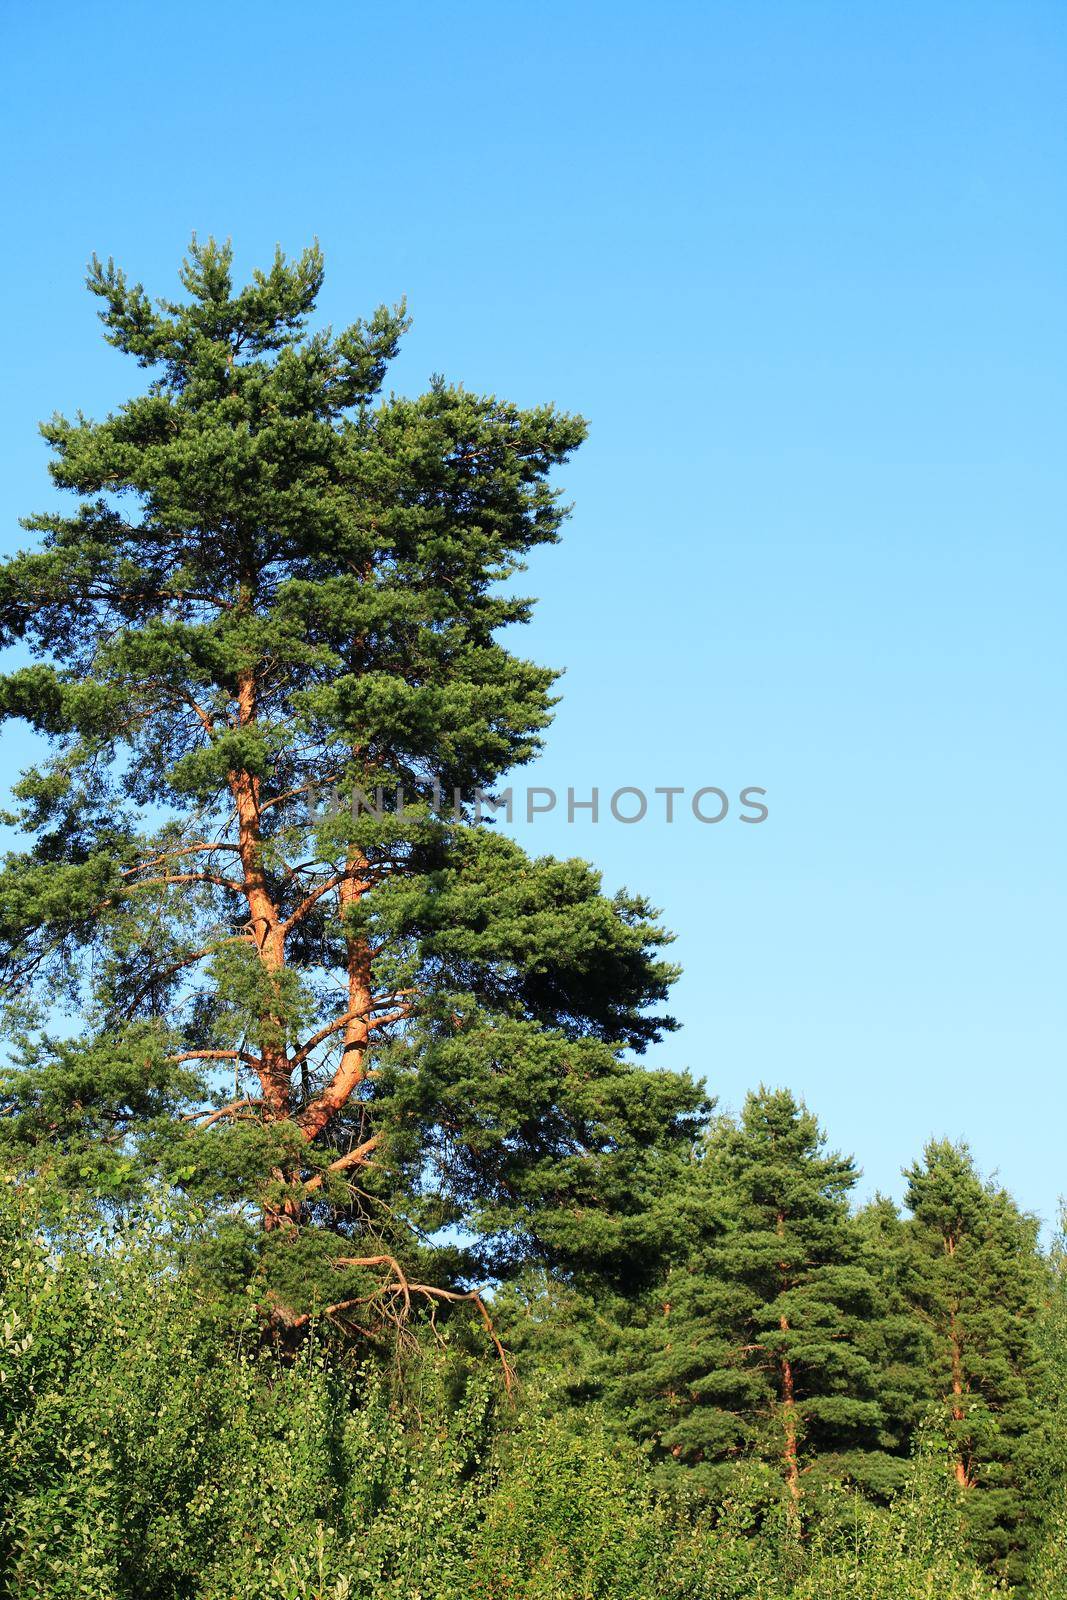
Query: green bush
{"points": [[155, 1449]]}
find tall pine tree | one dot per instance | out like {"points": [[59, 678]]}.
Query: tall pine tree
{"points": [[388, 1050], [976, 1280]]}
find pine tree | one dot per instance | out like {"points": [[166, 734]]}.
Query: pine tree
{"points": [[768, 1339], [897, 1341], [976, 1280], [1047, 1509], [365, 1018]]}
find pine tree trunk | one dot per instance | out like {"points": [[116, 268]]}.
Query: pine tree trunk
{"points": [[963, 1477], [351, 1070], [264, 918], [790, 1460], [960, 1468]]}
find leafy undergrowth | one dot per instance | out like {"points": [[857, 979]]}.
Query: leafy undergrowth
{"points": [[154, 1449]]}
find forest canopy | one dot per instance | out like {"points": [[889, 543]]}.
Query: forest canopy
{"points": [[353, 1239]]}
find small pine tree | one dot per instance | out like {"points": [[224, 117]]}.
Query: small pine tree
{"points": [[976, 1281], [767, 1338]]}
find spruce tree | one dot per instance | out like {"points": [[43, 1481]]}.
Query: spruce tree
{"points": [[388, 1050], [976, 1280], [768, 1339]]}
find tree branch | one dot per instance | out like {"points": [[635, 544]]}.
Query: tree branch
{"points": [[323, 1034], [316, 894], [188, 877], [215, 1055], [173, 855], [403, 1289], [232, 1110], [354, 1158]]}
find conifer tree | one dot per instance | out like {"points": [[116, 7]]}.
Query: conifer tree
{"points": [[1048, 1508], [768, 1338], [375, 1025], [897, 1341], [976, 1280]]}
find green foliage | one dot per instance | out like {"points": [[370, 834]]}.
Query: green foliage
{"points": [[1046, 1510], [1047, 1574], [912, 1550], [771, 1335], [977, 1283], [154, 1450]]}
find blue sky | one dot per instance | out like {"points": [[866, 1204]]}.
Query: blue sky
{"points": [[803, 267]]}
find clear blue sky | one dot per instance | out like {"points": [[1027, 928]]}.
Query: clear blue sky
{"points": [[803, 266]]}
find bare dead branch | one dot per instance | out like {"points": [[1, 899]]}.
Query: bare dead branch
{"points": [[232, 1110], [402, 1288]]}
